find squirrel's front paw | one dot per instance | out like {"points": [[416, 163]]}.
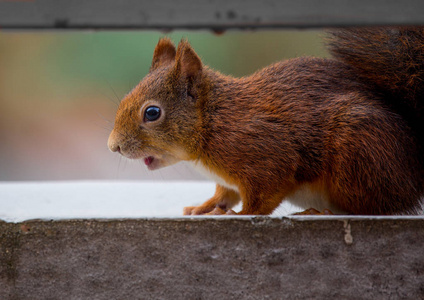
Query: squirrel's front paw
{"points": [[188, 210], [196, 210], [199, 210], [220, 211]]}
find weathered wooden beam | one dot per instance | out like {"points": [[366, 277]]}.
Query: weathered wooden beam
{"points": [[337, 257], [212, 14]]}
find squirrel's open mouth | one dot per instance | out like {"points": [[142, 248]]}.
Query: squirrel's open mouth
{"points": [[153, 163], [149, 160], [159, 161]]}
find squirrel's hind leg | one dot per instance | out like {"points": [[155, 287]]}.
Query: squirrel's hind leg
{"points": [[260, 202]]}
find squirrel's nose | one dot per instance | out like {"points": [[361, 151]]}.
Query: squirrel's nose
{"points": [[113, 144], [115, 148]]}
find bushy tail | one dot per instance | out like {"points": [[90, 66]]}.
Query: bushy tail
{"points": [[391, 61]]}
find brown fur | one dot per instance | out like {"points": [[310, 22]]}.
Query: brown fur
{"points": [[305, 121]]}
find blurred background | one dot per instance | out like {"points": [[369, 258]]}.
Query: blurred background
{"points": [[59, 93]]}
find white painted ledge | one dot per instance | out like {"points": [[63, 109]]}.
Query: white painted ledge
{"points": [[20, 201]]}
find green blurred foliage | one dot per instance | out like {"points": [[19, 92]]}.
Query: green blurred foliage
{"points": [[72, 63]]}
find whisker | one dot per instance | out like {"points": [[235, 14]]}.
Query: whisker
{"points": [[191, 171], [161, 175], [146, 172], [119, 165], [177, 170], [108, 129], [104, 118], [115, 104], [117, 98]]}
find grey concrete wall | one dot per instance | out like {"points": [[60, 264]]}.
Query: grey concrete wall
{"points": [[213, 258]]}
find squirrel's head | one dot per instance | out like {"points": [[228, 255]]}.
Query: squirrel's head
{"points": [[158, 120]]}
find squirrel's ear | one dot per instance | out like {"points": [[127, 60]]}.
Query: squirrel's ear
{"points": [[187, 60], [164, 53]]}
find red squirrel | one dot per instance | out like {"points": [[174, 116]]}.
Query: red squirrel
{"points": [[342, 134]]}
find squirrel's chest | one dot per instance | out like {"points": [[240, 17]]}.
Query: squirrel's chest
{"points": [[199, 167]]}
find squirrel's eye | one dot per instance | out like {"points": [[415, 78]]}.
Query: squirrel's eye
{"points": [[152, 113]]}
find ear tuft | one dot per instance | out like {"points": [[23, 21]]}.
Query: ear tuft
{"points": [[164, 53], [187, 60]]}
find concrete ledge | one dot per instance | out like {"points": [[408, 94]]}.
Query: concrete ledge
{"points": [[214, 258]]}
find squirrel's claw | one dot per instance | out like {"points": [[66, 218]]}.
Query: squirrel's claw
{"points": [[220, 211], [199, 210], [216, 211]]}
